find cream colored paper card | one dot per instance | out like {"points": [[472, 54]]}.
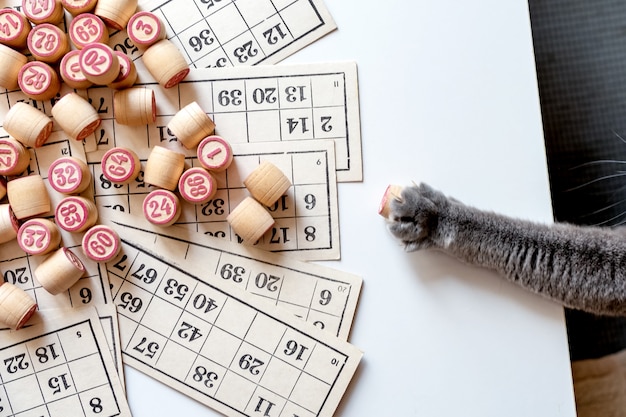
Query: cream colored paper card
{"points": [[61, 367], [92, 289], [17, 268], [250, 105], [107, 313], [323, 296], [222, 346], [218, 33], [306, 217]]}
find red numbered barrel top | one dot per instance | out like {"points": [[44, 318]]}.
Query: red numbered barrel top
{"points": [[145, 28], [127, 75], [67, 175], [14, 157], [120, 165], [42, 11], [177, 78], [101, 243], [47, 43], [87, 28], [74, 259], [14, 28], [76, 7], [196, 185], [215, 153], [38, 80], [161, 207], [99, 64], [71, 72], [72, 214], [37, 236]]}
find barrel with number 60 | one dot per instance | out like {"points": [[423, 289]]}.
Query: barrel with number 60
{"points": [[101, 243]]}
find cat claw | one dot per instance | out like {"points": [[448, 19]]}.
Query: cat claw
{"points": [[413, 213]]}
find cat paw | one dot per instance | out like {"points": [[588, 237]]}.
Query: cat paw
{"points": [[414, 214]]}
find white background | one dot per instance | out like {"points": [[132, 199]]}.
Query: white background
{"points": [[448, 96]]}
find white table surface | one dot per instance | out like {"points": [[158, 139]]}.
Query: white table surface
{"points": [[448, 96]]}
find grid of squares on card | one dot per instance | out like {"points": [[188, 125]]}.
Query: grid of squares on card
{"points": [[306, 216], [218, 33], [91, 290], [18, 268], [323, 296], [59, 368], [58, 145], [250, 105], [223, 348]]}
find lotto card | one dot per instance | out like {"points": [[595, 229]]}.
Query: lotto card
{"points": [[325, 297], [59, 368], [219, 33], [220, 345]]}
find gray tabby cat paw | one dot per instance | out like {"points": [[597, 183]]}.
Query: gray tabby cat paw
{"points": [[413, 213]]}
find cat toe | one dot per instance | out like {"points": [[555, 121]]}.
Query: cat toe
{"points": [[413, 216], [412, 205]]}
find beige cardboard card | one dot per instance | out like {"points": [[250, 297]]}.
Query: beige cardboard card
{"points": [[214, 33], [61, 367], [222, 346], [323, 296], [260, 104], [306, 216]]}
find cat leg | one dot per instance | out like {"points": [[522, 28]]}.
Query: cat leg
{"points": [[581, 267]]}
